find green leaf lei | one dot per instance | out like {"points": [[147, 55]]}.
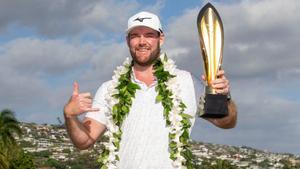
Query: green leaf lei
{"points": [[177, 122]]}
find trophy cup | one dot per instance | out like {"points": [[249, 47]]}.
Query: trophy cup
{"points": [[211, 35]]}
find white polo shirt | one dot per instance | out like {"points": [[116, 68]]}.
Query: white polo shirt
{"points": [[145, 141]]}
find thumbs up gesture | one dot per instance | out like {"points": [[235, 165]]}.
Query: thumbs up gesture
{"points": [[79, 103]]}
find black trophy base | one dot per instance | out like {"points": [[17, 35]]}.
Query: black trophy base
{"points": [[215, 106]]}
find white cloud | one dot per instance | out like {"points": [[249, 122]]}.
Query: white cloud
{"points": [[260, 36], [28, 67], [68, 18], [260, 58], [62, 17], [31, 56], [38, 73]]}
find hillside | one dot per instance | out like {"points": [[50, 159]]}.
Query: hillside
{"points": [[51, 147]]}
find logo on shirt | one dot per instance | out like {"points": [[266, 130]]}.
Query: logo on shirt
{"points": [[141, 19]]}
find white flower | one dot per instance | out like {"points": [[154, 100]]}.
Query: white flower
{"points": [[162, 57], [110, 135], [179, 157], [108, 117], [170, 83], [178, 132], [112, 166], [112, 101], [106, 144], [111, 147], [112, 127], [174, 87], [174, 116], [111, 89], [177, 164], [115, 80], [121, 70], [176, 109], [107, 97], [127, 61], [177, 102], [169, 67]]}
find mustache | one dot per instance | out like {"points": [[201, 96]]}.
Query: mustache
{"points": [[143, 47]]}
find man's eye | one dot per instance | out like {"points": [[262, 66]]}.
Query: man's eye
{"points": [[150, 35]]}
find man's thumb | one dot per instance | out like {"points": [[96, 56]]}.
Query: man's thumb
{"points": [[75, 88]]}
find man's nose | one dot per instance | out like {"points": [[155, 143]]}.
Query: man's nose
{"points": [[142, 39]]}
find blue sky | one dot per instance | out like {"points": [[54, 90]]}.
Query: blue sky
{"points": [[46, 45]]}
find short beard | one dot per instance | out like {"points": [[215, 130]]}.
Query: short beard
{"points": [[153, 56]]}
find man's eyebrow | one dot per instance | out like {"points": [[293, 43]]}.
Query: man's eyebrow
{"points": [[132, 34]]}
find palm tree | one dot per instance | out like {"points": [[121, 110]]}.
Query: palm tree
{"points": [[3, 161], [9, 128]]}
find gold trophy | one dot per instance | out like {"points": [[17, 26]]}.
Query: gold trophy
{"points": [[211, 35]]}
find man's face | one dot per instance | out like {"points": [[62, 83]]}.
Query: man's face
{"points": [[144, 45]]}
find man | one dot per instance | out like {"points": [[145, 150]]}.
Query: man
{"points": [[145, 139]]}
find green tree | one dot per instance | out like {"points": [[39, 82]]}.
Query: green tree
{"points": [[9, 128], [84, 161], [287, 164], [223, 164], [54, 163], [22, 161], [3, 161], [44, 153], [265, 163], [215, 164]]}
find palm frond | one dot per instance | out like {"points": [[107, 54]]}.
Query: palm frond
{"points": [[9, 128], [3, 161]]}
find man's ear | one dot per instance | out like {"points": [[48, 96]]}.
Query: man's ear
{"points": [[161, 39]]}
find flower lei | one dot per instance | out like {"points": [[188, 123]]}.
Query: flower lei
{"points": [[119, 99]]}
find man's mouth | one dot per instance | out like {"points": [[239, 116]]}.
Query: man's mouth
{"points": [[143, 49]]}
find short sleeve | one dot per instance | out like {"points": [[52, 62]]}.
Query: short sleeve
{"points": [[198, 87], [99, 102], [191, 90]]}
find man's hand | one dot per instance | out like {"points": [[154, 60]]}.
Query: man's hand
{"points": [[78, 103], [221, 86], [221, 83]]}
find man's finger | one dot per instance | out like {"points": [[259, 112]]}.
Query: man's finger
{"points": [[220, 73], [219, 86], [86, 100], [218, 81], [86, 95], [203, 77], [92, 109], [222, 91], [75, 88]]}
